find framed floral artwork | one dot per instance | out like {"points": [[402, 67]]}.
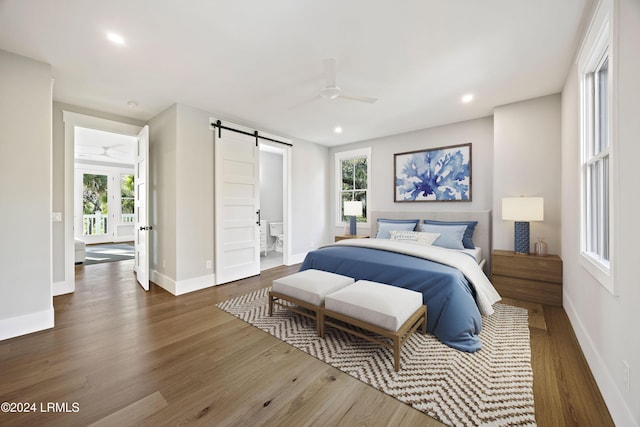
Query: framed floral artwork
{"points": [[434, 175]]}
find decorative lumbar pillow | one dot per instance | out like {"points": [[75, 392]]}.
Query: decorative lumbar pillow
{"points": [[422, 238], [425, 238], [403, 235], [467, 240], [386, 225], [450, 235]]}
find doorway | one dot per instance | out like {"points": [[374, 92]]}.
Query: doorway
{"points": [[73, 122], [272, 206], [104, 186]]}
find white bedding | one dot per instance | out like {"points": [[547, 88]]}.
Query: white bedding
{"points": [[475, 253], [486, 294]]}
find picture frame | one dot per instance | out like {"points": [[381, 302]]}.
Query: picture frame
{"points": [[440, 174]]}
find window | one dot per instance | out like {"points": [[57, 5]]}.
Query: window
{"points": [[95, 204], [352, 180], [596, 149], [127, 193]]}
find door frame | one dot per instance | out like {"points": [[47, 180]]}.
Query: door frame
{"points": [[285, 151], [71, 120]]}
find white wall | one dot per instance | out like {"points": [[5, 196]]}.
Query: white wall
{"points": [[270, 186], [478, 132], [26, 303], [606, 324], [271, 189], [309, 198], [526, 161], [162, 195], [194, 198]]}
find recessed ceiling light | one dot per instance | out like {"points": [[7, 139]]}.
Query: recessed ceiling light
{"points": [[337, 129], [115, 38], [467, 98]]}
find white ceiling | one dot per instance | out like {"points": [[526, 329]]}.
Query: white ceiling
{"points": [[93, 145], [259, 63]]}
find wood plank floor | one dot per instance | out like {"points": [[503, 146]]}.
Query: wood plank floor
{"points": [[120, 356]]}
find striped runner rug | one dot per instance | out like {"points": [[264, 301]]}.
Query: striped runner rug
{"points": [[491, 387]]}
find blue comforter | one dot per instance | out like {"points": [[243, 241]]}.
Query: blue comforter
{"points": [[452, 313]]}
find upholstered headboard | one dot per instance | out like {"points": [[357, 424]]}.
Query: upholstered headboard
{"points": [[481, 236]]}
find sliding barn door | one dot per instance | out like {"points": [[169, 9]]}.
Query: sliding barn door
{"points": [[237, 207]]}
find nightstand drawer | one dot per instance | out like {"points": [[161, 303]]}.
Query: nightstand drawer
{"points": [[528, 290], [546, 269]]}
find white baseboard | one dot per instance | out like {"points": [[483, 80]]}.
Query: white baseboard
{"points": [[296, 258], [26, 324], [64, 287], [182, 286], [613, 398]]}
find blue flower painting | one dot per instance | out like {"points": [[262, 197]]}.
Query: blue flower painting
{"points": [[440, 174]]}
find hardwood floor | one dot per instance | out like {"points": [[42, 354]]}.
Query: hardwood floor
{"points": [[120, 356]]}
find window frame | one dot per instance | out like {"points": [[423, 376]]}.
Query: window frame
{"points": [[597, 49], [338, 158]]}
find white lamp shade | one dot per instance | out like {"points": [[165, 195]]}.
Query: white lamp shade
{"points": [[353, 208], [523, 209]]}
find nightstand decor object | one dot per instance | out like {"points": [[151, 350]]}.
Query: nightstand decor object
{"points": [[352, 209], [522, 210], [541, 248]]}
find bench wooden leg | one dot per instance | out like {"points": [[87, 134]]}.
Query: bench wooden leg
{"points": [[396, 353], [270, 304], [320, 322]]}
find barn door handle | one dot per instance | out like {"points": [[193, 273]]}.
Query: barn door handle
{"points": [[147, 228], [258, 213]]}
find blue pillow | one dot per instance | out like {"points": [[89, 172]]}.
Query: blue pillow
{"points": [[386, 225], [450, 235], [467, 240]]}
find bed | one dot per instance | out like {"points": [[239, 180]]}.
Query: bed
{"points": [[452, 282]]}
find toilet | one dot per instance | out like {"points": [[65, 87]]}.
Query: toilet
{"points": [[276, 229]]}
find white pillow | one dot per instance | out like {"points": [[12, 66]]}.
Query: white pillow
{"points": [[419, 237]]}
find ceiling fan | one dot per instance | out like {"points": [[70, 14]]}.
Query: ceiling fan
{"points": [[333, 91], [107, 151]]}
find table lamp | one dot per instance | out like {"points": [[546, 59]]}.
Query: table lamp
{"points": [[352, 209], [522, 210]]}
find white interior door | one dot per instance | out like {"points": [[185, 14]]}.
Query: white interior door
{"points": [[142, 226], [237, 197]]}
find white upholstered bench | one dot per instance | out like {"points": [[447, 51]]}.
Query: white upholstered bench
{"points": [[385, 310], [307, 290]]}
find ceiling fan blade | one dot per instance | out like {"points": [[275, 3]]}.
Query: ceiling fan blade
{"points": [[359, 98], [330, 71]]}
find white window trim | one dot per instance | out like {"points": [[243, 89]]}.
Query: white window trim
{"points": [[599, 40], [338, 157]]}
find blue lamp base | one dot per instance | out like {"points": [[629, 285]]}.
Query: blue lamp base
{"points": [[521, 238], [352, 226]]}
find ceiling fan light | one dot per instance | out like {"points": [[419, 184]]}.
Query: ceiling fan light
{"points": [[331, 92]]}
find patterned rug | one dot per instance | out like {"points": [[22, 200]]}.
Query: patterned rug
{"points": [[97, 254], [493, 386]]}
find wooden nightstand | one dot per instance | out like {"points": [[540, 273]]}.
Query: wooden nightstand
{"points": [[527, 277], [349, 236]]}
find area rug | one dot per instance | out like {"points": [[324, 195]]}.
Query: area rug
{"points": [[97, 254], [493, 386]]}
